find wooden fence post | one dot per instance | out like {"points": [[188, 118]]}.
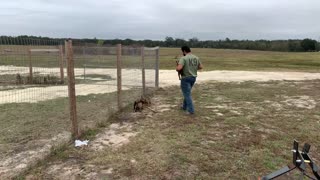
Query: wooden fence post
{"points": [[30, 67], [72, 91], [66, 54], [157, 68], [143, 72], [119, 76], [61, 64]]}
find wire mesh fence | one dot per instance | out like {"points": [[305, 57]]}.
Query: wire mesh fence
{"points": [[46, 83], [33, 94], [49, 88], [34, 78], [31, 70], [95, 83], [108, 78], [151, 64]]}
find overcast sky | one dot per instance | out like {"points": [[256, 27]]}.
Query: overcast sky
{"points": [[156, 19]]}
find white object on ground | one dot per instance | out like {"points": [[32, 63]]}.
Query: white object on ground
{"points": [[79, 143]]}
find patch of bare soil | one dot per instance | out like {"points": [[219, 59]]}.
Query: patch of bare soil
{"points": [[116, 136], [304, 102], [13, 165]]}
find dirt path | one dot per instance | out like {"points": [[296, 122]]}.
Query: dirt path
{"points": [[132, 77], [168, 77]]}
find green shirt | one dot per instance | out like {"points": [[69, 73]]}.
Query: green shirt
{"points": [[190, 65]]}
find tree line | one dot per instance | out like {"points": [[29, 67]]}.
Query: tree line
{"points": [[291, 45]]}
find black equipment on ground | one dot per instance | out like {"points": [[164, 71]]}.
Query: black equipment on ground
{"points": [[300, 162]]}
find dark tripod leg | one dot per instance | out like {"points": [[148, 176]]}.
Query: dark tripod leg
{"points": [[278, 173], [300, 159], [314, 167]]}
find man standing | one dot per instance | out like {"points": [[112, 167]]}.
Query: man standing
{"points": [[188, 65]]}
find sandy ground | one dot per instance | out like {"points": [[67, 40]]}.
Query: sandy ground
{"points": [[168, 77], [130, 78]]}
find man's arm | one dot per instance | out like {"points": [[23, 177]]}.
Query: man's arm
{"points": [[200, 66], [179, 67]]}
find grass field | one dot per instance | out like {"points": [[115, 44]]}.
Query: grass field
{"points": [[213, 59], [80, 61], [224, 59], [240, 131]]}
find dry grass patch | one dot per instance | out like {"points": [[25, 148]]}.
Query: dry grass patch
{"points": [[244, 145]]}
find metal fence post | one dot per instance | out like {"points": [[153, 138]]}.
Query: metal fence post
{"points": [[119, 76], [143, 72], [157, 68], [72, 91]]}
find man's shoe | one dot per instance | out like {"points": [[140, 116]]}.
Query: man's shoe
{"points": [[189, 113], [181, 107]]}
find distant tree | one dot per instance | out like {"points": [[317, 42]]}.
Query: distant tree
{"points": [[295, 46], [169, 42], [128, 42], [180, 42], [148, 43], [318, 46], [194, 42], [309, 44]]}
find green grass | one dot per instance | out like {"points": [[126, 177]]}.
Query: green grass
{"points": [[105, 61], [224, 59], [213, 59], [245, 145]]}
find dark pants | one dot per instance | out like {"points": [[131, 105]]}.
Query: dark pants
{"points": [[186, 86]]}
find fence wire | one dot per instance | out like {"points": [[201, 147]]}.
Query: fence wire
{"points": [[96, 83], [30, 70], [96, 78], [151, 68], [33, 93], [34, 98]]}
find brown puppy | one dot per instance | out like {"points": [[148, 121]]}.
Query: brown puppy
{"points": [[138, 104]]}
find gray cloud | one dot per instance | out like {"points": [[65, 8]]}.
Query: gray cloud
{"points": [[146, 19]]}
